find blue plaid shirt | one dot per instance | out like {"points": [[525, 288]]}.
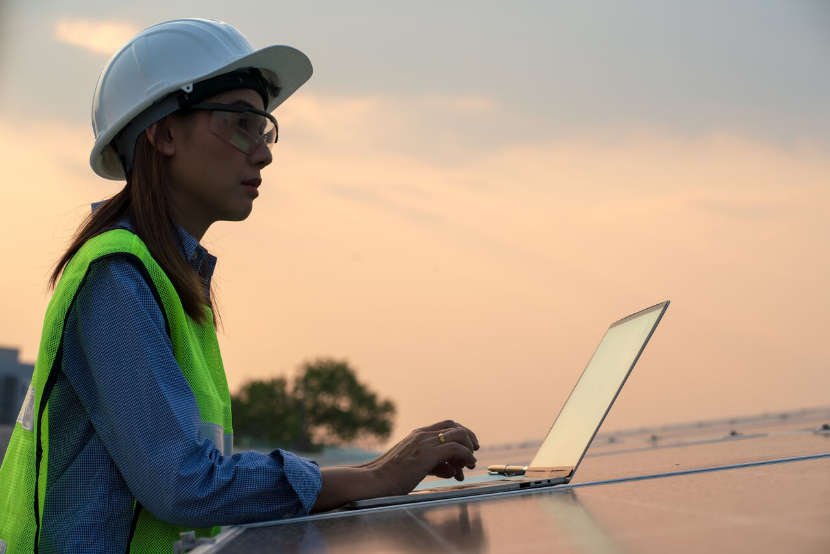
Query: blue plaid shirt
{"points": [[124, 424]]}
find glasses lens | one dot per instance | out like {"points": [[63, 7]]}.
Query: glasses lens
{"points": [[246, 130]]}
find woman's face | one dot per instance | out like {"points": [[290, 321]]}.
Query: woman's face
{"points": [[210, 179]]}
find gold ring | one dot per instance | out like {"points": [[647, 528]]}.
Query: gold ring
{"points": [[441, 438]]}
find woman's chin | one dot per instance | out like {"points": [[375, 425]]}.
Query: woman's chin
{"points": [[241, 213]]}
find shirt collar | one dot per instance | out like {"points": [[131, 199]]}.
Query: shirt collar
{"points": [[194, 253]]}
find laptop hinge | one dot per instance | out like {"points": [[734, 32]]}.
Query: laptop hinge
{"points": [[549, 472]]}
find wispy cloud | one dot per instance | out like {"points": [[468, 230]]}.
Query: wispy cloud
{"points": [[468, 276], [104, 37], [375, 198]]}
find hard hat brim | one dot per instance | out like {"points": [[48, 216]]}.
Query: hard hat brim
{"points": [[286, 67]]}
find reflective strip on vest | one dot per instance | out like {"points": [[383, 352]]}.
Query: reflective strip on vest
{"points": [[26, 417], [221, 440]]}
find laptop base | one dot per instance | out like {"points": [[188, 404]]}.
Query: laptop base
{"points": [[460, 490]]}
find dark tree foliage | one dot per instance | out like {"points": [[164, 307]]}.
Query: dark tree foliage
{"points": [[336, 407], [266, 412], [326, 405]]}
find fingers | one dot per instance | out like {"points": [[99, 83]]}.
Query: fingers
{"points": [[469, 443], [421, 453], [457, 454], [472, 438], [444, 470], [461, 436], [454, 466], [447, 425]]}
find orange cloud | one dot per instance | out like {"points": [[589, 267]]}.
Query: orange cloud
{"points": [[103, 37]]}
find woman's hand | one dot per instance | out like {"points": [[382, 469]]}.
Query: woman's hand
{"points": [[422, 453], [403, 466]]}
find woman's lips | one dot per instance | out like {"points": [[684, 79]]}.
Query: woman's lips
{"points": [[252, 185]]}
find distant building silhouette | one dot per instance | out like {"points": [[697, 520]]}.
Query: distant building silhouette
{"points": [[14, 382]]}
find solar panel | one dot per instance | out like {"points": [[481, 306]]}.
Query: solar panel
{"points": [[758, 484]]}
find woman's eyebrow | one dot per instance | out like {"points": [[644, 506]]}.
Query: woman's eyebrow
{"points": [[244, 103]]}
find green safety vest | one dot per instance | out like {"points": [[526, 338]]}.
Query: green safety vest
{"points": [[24, 476]]}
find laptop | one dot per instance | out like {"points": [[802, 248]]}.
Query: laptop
{"points": [[558, 457]]}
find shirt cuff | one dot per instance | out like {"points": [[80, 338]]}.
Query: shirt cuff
{"points": [[304, 477]]}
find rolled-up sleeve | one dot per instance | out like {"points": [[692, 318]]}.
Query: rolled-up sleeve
{"points": [[143, 410]]}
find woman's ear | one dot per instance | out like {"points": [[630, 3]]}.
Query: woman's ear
{"points": [[163, 142]]}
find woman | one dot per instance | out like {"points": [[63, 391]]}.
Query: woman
{"points": [[125, 437]]}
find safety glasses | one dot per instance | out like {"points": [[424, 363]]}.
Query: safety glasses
{"points": [[244, 127]]}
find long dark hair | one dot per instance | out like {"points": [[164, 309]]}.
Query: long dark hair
{"points": [[146, 199]]}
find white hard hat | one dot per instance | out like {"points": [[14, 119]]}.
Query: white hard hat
{"points": [[167, 67]]}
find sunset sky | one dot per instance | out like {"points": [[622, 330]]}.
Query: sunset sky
{"points": [[466, 194]]}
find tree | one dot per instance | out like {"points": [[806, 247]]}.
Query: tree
{"points": [[326, 405], [336, 407], [266, 412]]}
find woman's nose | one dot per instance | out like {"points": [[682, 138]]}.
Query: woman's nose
{"points": [[262, 155]]}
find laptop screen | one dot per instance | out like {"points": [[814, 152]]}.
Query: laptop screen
{"points": [[591, 398]]}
